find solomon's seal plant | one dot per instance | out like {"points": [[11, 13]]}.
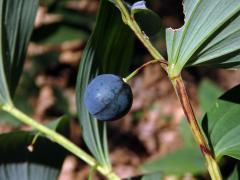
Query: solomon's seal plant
{"points": [[209, 37]]}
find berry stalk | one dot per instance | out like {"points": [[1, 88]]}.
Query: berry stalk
{"points": [[134, 73]]}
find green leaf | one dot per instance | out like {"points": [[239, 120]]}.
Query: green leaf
{"points": [[83, 20], [26, 89], [4, 91], [151, 176], [58, 33], [6, 118], [210, 36], [60, 125], [221, 124], [180, 162], [105, 52], [186, 135], [16, 161], [148, 20], [236, 173], [16, 26], [208, 92]]}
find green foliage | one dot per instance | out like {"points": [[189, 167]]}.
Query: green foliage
{"points": [[4, 91], [44, 162], [148, 20], [60, 125], [210, 36], [58, 33], [151, 176], [16, 161], [186, 135], [70, 24], [25, 90], [236, 173], [221, 124], [180, 162], [208, 92], [106, 52], [17, 19]]}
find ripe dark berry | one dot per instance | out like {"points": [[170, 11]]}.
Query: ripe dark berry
{"points": [[108, 97]]}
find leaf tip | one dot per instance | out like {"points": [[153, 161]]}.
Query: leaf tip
{"points": [[139, 5]]}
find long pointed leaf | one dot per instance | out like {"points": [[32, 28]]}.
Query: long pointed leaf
{"points": [[4, 91], [222, 124], [17, 19], [108, 50]]}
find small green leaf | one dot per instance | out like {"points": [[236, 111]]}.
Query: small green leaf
{"points": [[60, 125], [208, 93], [210, 36], [180, 162], [148, 20], [221, 124]]}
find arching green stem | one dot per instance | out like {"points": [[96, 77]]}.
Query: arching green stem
{"points": [[61, 140]]}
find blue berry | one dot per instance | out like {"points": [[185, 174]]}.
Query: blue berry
{"points": [[108, 97]]}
